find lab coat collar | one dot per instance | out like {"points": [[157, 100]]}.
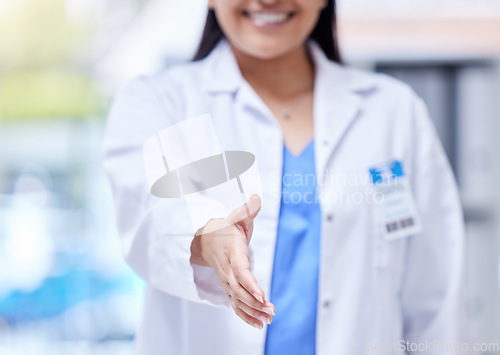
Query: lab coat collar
{"points": [[338, 94], [226, 75], [225, 72]]}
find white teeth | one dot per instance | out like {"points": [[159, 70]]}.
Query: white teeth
{"points": [[268, 17]]}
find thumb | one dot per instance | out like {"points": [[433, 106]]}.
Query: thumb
{"points": [[244, 215]]}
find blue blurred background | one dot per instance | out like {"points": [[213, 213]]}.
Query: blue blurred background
{"points": [[64, 288]]}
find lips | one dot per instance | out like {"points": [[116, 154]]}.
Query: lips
{"points": [[264, 18]]}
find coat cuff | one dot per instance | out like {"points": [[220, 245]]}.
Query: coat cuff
{"points": [[170, 254]]}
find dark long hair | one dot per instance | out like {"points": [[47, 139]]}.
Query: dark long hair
{"points": [[325, 33]]}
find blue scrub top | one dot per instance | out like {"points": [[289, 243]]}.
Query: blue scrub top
{"points": [[294, 287]]}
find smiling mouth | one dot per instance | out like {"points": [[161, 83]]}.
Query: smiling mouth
{"points": [[268, 18]]}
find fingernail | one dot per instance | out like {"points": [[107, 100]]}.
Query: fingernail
{"points": [[265, 319], [258, 326], [268, 310], [259, 298]]}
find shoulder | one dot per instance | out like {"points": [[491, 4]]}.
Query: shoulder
{"points": [[170, 80], [383, 94], [389, 104], [378, 84], [188, 74], [167, 90]]}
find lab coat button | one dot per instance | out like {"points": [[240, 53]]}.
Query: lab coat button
{"points": [[326, 142], [326, 304], [329, 218]]}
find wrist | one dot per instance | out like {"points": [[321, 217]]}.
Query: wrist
{"points": [[196, 251], [200, 247]]}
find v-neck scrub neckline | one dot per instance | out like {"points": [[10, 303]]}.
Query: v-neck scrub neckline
{"points": [[310, 145]]}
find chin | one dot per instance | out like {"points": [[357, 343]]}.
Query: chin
{"points": [[266, 50]]}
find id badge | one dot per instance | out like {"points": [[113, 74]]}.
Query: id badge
{"points": [[398, 212]]}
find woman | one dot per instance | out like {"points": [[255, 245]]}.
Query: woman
{"points": [[323, 266]]}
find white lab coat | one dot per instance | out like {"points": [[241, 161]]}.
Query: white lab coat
{"points": [[372, 292]]}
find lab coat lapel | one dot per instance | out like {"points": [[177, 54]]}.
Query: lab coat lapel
{"points": [[338, 94], [224, 72], [337, 102], [227, 78], [335, 110]]}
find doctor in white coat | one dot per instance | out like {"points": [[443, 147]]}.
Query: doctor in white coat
{"points": [[270, 74]]}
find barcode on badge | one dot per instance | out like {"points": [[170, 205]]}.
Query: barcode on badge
{"points": [[399, 225]]}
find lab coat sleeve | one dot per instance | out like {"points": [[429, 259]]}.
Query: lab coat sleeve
{"points": [[433, 295], [155, 233]]}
